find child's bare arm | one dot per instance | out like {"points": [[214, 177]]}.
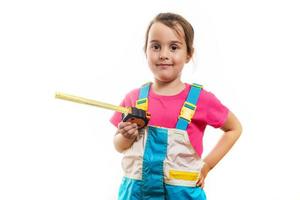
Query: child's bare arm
{"points": [[125, 136], [232, 131]]}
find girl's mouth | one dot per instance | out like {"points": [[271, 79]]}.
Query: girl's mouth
{"points": [[164, 65]]}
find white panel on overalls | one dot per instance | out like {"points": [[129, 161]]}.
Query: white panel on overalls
{"points": [[162, 164]]}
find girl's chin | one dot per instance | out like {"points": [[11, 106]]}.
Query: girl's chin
{"points": [[165, 79]]}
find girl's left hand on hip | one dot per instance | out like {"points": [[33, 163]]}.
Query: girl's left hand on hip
{"points": [[203, 173]]}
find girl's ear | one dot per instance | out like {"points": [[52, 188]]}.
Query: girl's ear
{"points": [[189, 56]]}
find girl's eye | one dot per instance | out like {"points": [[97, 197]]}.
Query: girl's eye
{"points": [[155, 47], [174, 47]]}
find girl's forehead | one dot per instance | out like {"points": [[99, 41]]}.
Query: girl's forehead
{"points": [[160, 31]]}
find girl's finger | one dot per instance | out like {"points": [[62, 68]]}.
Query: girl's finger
{"points": [[123, 124], [200, 182], [132, 131], [129, 131], [130, 126], [135, 134]]}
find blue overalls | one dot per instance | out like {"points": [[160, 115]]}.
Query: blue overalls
{"points": [[162, 164]]}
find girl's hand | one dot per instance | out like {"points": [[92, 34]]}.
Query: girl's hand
{"points": [[128, 130], [203, 173]]}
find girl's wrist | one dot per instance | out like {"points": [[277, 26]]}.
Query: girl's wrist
{"points": [[206, 165]]}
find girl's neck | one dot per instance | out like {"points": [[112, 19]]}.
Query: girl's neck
{"points": [[168, 88]]}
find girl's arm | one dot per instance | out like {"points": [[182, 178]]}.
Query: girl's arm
{"points": [[232, 131]]}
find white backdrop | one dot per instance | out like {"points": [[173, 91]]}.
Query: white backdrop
{"points": [[247, 53]]}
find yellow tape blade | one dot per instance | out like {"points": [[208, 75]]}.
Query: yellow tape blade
{"points": [[91, 102]]}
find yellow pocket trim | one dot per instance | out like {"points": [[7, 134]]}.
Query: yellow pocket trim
{"points": [[183, 175]]}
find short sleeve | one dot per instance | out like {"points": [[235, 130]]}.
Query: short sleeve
{"points": [[217, 113], [128, 101]]}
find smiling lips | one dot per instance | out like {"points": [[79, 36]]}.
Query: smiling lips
{"points": [[163, 65]]}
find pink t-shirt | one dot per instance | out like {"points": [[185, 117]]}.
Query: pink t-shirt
{"points": [[165, 111]]}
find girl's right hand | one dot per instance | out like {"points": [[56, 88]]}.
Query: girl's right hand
{"points": [[128, 130]]}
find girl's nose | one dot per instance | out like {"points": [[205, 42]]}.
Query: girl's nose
{"points": [[164, 54], [163, 58]]}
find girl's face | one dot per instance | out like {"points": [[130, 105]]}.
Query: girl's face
{"points": [[166, 52]]}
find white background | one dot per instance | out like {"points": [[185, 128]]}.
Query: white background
{"points": [[247, 53]]}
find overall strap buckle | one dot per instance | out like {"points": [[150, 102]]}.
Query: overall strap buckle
{"points": [[187, 111], [142, 104], [189, 107]]}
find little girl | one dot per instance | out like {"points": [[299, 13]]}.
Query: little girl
{"points": [[164, 160]]}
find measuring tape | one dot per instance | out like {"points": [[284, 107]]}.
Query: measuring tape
{"points": [[129, 114]]}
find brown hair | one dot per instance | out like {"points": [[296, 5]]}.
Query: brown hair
{"points": [[172, 20]]}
